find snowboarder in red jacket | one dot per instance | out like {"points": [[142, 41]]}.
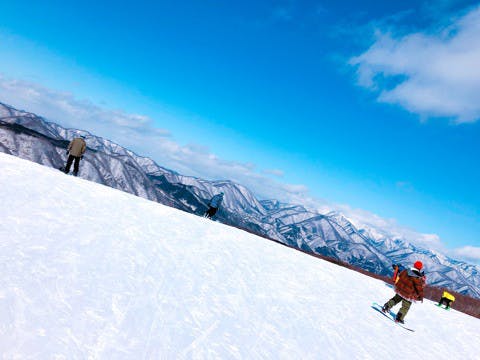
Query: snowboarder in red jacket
{"points": [[409, 286]]}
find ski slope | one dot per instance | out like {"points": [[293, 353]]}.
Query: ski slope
{"points": [[92, 272]]}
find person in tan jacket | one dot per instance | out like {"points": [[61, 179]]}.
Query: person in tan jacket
{"points": [[75, 152]]}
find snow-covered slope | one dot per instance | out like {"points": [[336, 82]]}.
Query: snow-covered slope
{"points": [[92, 272], [30, 137]]}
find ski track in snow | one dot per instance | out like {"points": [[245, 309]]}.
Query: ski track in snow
{"points": [[91, 272]]}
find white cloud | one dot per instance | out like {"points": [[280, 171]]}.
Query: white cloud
{"points": [[138, 133], [469, 252], [433, 74], [65, 109], [365, 219], [274, 172]]}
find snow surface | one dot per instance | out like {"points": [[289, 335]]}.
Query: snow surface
{"points": [[92, 272]]}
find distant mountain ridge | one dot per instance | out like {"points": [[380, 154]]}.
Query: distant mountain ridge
{"points": [[31, 137]]}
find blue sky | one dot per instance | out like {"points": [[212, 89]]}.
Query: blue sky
{"points": [[369, 107]]}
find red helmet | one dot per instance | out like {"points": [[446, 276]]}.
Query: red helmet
{"points": [[418, 265]]}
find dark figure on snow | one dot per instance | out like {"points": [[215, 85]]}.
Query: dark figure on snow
{"points": [[213, 205], [75, 152], [409, 286], [446, 299]]}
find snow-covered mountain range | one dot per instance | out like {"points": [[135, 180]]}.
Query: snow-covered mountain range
{"points": [[31, 137]]}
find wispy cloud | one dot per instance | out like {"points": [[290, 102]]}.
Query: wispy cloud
{"points": [[383, 226], [390, 227], [434, 73], [469, 252], [64, 108], [274, 172], [138, 132]]}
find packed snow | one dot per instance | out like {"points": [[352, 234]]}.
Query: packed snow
{"points": [[92, 272]]}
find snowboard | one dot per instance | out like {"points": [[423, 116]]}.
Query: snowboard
{"points": [[440, 306], [390, 316]]}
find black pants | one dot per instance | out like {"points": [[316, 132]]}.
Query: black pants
{"points": [[71, 158], [210, 212], [445, 301]]}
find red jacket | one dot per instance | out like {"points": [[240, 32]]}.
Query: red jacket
{"points": [[410, 284]]}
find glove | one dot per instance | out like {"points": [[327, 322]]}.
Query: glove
{"points": [[81, 157], [68, 152]]}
